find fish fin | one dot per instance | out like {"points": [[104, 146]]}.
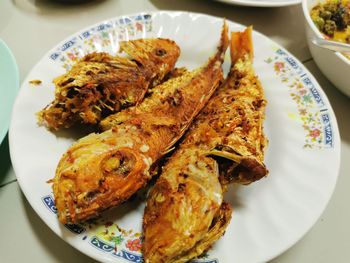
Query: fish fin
{"points": [[241, 44], [241, 169], [248, 171], [223, 44], [227, 155], [210, 66]]}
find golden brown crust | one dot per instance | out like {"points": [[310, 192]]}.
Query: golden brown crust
{"points": [[181, 207], [217, 229], [102, 170], [185, 213], [232, 122], [100, 84]]}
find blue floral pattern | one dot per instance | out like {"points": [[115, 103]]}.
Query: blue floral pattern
{"points": [[312, 109], [102, 37]]}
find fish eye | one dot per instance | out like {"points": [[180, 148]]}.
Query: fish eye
{"points": [[119, 163], [160, 52]]}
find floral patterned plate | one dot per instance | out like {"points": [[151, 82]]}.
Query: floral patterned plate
{"points": [[269, 216]]}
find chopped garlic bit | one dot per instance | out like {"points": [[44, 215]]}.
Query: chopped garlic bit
{"points": [[144, 148]]}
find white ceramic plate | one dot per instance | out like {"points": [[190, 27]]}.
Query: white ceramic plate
{"points": [[269, 216], [262, 3]]}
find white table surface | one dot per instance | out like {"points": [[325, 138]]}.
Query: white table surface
{"points": [[32, 27]]}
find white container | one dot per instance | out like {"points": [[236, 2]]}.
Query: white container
{"points": [[333, 65]]}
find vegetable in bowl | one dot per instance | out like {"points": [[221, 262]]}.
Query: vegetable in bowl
{"points": [[334, 65], [332, 18]]}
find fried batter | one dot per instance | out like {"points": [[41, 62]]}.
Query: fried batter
{"points": [[100, 84], [102, 170], [185, 213]]}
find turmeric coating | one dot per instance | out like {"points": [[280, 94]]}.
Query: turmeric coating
{"points": [[103, 170], [185, 212], [100, 84]]}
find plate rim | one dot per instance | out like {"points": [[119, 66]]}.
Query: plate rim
{"points": [[93, 254], [14, 67]]}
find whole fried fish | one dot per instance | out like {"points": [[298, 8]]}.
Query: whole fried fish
{"points": [[185, 212], [103, 170], [100, 84]]}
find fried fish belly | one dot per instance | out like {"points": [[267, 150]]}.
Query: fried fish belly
{"points": [[102, 170], [185, 212], [100, 84]]}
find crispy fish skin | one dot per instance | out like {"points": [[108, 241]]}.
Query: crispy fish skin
{"points": [[181, 208], [100, 84], [185, 213], [231, 124], [240, 103], [103, 170]]}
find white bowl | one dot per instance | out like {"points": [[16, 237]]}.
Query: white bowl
{"points": [[334, 65]]}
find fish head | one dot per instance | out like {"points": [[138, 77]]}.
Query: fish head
{"points": [[157, 55], [96, 173], [164, 54], [181, 206], [165, 51]]}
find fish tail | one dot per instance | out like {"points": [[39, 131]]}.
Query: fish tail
{"points": [[241, 45], [224, 43]]}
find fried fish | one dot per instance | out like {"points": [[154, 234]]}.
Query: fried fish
{"points": [[185, 212], [100, 84], [102, 170], [240, 104]]}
